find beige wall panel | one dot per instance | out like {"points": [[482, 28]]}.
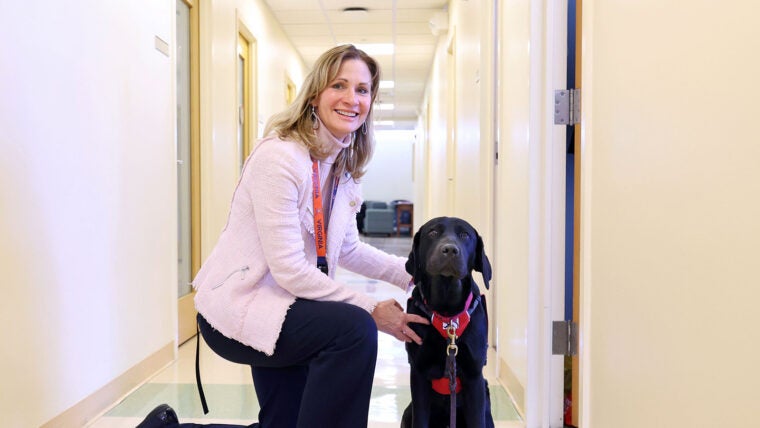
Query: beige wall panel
{"points": [[435, 191], [512, 182], [670, 213], [471, 190], [88, 223]]}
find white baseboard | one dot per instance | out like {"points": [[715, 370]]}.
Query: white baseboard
{"points": [[513, 386], [88, 409]]}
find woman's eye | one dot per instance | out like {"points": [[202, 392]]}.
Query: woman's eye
{"points": [[363, 91], [337, 86]]}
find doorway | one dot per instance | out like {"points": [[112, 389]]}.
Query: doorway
{"points": [[188, 164], [246, 93], [572, 216], [531, 182]]}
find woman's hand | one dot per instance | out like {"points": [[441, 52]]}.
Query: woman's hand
{"points": [[391, 318]]}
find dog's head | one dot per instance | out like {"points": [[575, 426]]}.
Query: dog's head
{"points": [[445, 251]]}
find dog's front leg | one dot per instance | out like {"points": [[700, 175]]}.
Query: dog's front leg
{"points": [[474, 401], [421, 399]]}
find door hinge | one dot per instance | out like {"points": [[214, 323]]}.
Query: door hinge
{"points": [[567, 106], [564, 338]]}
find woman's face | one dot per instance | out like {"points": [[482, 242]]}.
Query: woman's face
{"points": [[344, 104]]}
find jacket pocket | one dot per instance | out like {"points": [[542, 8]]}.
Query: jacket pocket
{"points": [[242, 271]]}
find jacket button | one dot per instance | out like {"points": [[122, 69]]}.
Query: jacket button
{"points": [[352, 203]]}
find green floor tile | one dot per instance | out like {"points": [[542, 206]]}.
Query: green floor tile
{"points": [[224, 401], [239, 401]]}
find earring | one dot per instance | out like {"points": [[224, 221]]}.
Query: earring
{"points": [[364, 128], [314, 118]]}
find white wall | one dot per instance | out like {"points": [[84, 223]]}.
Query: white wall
{"points": [[670, 280], [455, 178], [454, 158], [472, 176], [433, 159], [389, 173], [276, 59], [88, 199], [512, 201], [515, 219]]}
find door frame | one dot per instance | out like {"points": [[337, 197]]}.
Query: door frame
{"points": [[577, 193], [186, 324], [249, 45], [246, 123], [544, 395]]}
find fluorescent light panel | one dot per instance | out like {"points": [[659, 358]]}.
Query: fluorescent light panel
{"points": [[387, 84], [375, 48], [384, 106]]}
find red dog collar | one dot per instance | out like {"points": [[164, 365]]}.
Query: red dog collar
{"points": [[459, 321]]}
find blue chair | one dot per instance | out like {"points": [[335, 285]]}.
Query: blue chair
{"points": [[378, 218]]}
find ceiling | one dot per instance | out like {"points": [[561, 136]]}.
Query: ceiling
{"points": [[313, 26]]}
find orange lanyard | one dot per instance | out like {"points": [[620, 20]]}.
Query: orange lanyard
{"points": [[320, 228]]}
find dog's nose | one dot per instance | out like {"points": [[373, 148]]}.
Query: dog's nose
{"points": [[450, 250]]}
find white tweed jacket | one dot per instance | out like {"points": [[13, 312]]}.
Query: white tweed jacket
{"points": [[266, 257]]}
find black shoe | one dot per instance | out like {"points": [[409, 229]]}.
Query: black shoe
{"points": [[161, 416]]}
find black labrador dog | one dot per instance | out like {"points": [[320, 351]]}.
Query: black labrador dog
{"points": [[445, 251]]}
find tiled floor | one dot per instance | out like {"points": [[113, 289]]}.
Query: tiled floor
{"points": [[229, 388]]}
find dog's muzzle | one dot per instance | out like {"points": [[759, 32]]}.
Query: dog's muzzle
{"points": [[447, 260]]}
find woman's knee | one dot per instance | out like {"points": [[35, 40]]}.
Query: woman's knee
{"points": [[358, 325]]}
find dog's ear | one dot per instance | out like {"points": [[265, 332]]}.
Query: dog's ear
{"points": [[482, 264], [412, 262]]}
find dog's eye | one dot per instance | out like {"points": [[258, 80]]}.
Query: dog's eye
{"points": [[433, 233], [464, 235]]}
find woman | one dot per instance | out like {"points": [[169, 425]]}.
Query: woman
{"points": [[267, 295]]}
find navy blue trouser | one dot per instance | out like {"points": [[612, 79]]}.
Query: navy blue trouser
{"points": [[321, 372]]}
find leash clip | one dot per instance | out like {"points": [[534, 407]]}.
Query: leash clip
{"points": [[452, 332]]}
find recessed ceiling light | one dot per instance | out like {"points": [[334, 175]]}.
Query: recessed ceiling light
{"points": [[355, 13]]}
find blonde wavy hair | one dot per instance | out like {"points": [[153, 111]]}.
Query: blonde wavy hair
{"points": [[295, 121]]}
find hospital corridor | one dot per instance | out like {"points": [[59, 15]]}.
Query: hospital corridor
{"points": [[605, 151]]}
